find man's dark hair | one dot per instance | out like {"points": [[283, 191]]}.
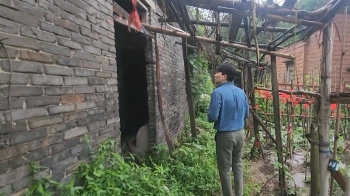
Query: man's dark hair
{"points": [[229, 70]]}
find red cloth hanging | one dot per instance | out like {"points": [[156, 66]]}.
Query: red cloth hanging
{"points": [[134, 17]]}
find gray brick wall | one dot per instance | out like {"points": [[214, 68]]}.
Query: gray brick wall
{"points": [[63, 85], [173, 85]]}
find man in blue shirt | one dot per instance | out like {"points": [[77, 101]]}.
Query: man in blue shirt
{"points": [[228, 110]]}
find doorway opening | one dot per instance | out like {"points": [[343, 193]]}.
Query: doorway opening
{"points": [[132, 80]]}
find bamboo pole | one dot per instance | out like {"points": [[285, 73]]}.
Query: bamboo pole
{"points": [[314, 158], [323, 113], [337, 122], [256, 117], [160, 102], [213, 41], [276, 109]]}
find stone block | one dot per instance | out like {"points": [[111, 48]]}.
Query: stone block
{"points": [[92, 49], [43, 142], [22, 91], [14, 175], [9, 127], [66, 24], [64, 145], [8, 27], [18, 16], [66, 6], [84, 89], [57, 30], [112, 81], [36, 56], [68, 43], [25, 114], [84, 72], [58, 90], [26, 136], [89, 33], [42, 101], [75, 81], [84, 56], [91, 65], [55, 70], [61, 109], [66, 61], [53, 49], [74, 116], [75, 132], [22, 66], [37, 34], [11, 52], [62, 127], [47, 80], [51, 120], [81, 38], [111, 95], [103, 74], [86, 105], [96, 81], [69, 99], [84, 6]]}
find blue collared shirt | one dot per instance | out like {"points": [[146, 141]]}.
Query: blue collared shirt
{"points": [[228, 107]]}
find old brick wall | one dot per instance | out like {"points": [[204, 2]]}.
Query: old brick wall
{"points": [[308, 57], [62, 84], [173, 85]]}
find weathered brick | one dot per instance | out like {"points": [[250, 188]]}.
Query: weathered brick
{"points": [[107, 26], [62, 127], [24, 114], [113, 120], [24, 183], [79, 19], [105, 116], [54, 29], [103, 74], [49, 161], [107, 40], [86, 105], [43, 3], [14, 175], [109, 54], [103, 9], [102, 31], [75, 81], [42, 101], [80, 38], [112, 108], [77, 149], [21, 137], [6, 190], [51, 120], [106, 130], [111, 95], [80, 4], [74, 116], [69, 43], [64, 145], [26, 158], [112, 81], [113, 62], [114, 75], [6, 3], [75, 132], [15, 78], [37, 34], [23, 66], [36, 56], [61, 109], [72, 99], [30, 9], [100, 45], [66, 24], [93, 3], [101, 89], [84, 72], [64, 5], [92, 19], [109, 68], [112, 49], [96, 111], [66, 61], [96, 81], [18, 16], [47, 80], [11, 52], [87, 120], [88, 33], [84, 56], [84, 89], [94, 126], [92, 50], [53, 49], [102, 59], [91, 65], [54, 70], [10, 127], [56, 168], [58, 90], [43, 142], [94, 97], [18, 41], [22, 91], [8, 27]]}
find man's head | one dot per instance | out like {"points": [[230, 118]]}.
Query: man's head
{"points": [[225, 73]]}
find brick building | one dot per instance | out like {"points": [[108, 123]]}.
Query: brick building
{"points": [[308, 54], [73, 71]]}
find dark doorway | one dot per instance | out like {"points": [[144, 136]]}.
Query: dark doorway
{"points": [[132, 80]]}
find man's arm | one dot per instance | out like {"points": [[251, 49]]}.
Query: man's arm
{"points": [[214, 107]]}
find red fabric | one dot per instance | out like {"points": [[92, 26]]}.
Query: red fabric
{"points": [[134, 17]]}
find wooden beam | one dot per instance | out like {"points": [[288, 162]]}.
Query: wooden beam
{"points": [[256, 117], [226, 24], [213, 41], [295, 21]]}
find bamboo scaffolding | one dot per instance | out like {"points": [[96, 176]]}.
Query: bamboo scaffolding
{"points": [[157, 29]]}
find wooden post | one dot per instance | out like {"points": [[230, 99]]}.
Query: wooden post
{"points": [[314, 158], [340, 76], [276, 111], [323, 114]]}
